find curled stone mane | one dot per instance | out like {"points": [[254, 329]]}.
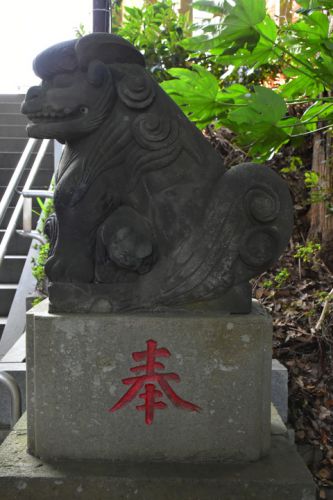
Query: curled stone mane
{"points": [[147, 216]]}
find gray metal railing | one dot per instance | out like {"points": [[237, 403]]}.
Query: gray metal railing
{"points": [[15, 179], [15, 396], [12, 187], [6, 378]]}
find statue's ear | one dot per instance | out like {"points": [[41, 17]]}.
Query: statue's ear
{"points": [[98, 73]]}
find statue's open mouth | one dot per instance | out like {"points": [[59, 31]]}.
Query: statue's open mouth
{"points": [[47, 116]]}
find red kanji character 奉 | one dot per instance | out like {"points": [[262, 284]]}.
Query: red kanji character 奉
{"points": [[149, 379]]}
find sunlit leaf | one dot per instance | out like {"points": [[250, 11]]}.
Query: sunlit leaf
{"points": [[196, 92], [317, 112], [309, 5], [314, 27], [264, 105], [302, 85], [264, 51], [217, 9]]}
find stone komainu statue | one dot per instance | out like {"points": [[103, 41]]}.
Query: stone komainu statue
{"points": [[147, 216]]}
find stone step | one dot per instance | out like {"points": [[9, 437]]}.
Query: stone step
{"points": [[13, 119], [11, 268], [10, 107], [14, 144], [13, 131], [282, 475], [12, 98], [11, 159], [7, 292]]}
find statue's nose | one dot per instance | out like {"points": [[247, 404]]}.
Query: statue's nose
{"points": [[31, 101], [33, 93]]}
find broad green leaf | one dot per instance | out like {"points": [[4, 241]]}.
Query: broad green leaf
{"points": [[263, 52], [261, 141], [198, 43], [237, 30], [267, 142], [291, 125], [258, 125], [212, 7], [319, 111], [300, 86], [234, 92], [241, 28], [308, 5], [246, 14], [312, 28], [199, 78], [195, 91], [264, 105], [325, 70], [268, 30]]}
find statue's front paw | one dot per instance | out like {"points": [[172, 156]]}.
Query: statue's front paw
{"points": [[59, 268]]}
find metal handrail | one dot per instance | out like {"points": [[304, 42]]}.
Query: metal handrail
{"points": [[33, 193], [15, 395], [15, 179], [17, 210]]}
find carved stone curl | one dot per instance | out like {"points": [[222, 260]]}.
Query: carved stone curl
{"points": [[147, 216]]}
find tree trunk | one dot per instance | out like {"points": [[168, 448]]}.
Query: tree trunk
{"points": [[321, 220]]}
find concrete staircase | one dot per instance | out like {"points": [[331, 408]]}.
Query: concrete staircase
{"points": [[13, 139]]}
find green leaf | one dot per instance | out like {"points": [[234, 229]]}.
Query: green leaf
{"points": [[312, 28], [291, 125], [241, 28], [258, 125], [264, 106], [212, 7], [196, 92], [315, 4], [262, 53], [262, 141], [234, 94], [199, 78], [268, 30], [319, 111], [325, 69], [246, 14], [302, 86], [198, 43]]}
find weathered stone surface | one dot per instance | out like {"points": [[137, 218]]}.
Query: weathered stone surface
{"points": [[99, 298], [279, 476], [143, 202], [280, 388], [76, 364]]}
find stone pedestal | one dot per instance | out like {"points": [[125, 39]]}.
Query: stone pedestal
{"points": [[281, 475], [149, 387]]}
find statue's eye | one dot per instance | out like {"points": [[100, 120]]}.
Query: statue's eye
{"points": [[84, 110]]}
